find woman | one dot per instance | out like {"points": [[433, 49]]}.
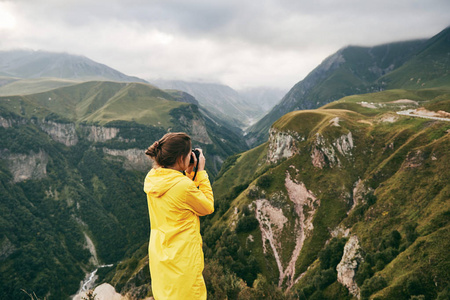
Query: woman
{"points": [[175, 203]]}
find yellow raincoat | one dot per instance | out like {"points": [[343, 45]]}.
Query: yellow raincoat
{"points": [[175, 203]]}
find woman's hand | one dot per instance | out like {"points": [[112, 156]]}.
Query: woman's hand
{"points": [[191, 166], [201, 164]]}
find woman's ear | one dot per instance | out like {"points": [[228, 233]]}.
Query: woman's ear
{"points": [[180, 161]]}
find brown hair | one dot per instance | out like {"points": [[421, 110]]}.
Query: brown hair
{"points": [[169, 148]]}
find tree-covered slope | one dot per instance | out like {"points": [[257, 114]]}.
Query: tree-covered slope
{"points": [[72, 166]]}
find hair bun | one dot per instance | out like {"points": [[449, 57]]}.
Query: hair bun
{"points": [[152, 150]]}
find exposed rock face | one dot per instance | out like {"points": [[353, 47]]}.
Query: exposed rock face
{"points": [[91, 247], [272, 221], [27, 166], [133, 159], [359, 191], [62, 133], [6, 249], [5, 123], [344, 144], [323, 153], [196, 129], [305, 204], [100, 134], [318, 158], [339, 232], [198, 132], [282, 144], [346, 269]]}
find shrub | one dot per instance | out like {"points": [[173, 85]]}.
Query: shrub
{"points": [[325, 278], [364, 272], [264, 181], [332, 254], [247, 224], [410, 232], [414, 286], [372, 285]]}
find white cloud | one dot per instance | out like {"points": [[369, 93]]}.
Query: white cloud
{"points": [[7, 19], [239, 43]]}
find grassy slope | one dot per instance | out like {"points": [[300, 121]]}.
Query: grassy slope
{"points": [[98, 102], [34, 85], [428, 68]]}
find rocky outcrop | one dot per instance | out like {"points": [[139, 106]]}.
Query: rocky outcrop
{"points": [[104, 291], [346, 269], [324, 153], [198, 132], [5, 123], [91, 247], [196, 129], [282, 144], [133, 159], [318, 158], [344, 144], [59, 132], [26, 166], [9, 122], [99, 133], [6, 249], [359, 191]]}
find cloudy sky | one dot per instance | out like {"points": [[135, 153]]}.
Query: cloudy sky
{"points": [[272, 43]]}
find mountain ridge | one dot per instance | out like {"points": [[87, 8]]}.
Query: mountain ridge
{"points": [[358, 70], [30, 64]]}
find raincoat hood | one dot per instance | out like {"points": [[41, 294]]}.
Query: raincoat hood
{"points": [[159, 181]]}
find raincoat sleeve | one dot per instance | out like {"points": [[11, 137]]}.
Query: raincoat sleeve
{"points": [[200, 197]]}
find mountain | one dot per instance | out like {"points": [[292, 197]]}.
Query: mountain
{"points": [[357, 70], [72, 165], [348, 201], [20, 68], [221, 100], [429, 67]]}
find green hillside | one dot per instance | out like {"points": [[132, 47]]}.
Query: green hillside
{"points": [[430, 66], [17, 86], [98, 102]]}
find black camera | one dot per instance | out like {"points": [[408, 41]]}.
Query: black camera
{"points": [[197, 154]]}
